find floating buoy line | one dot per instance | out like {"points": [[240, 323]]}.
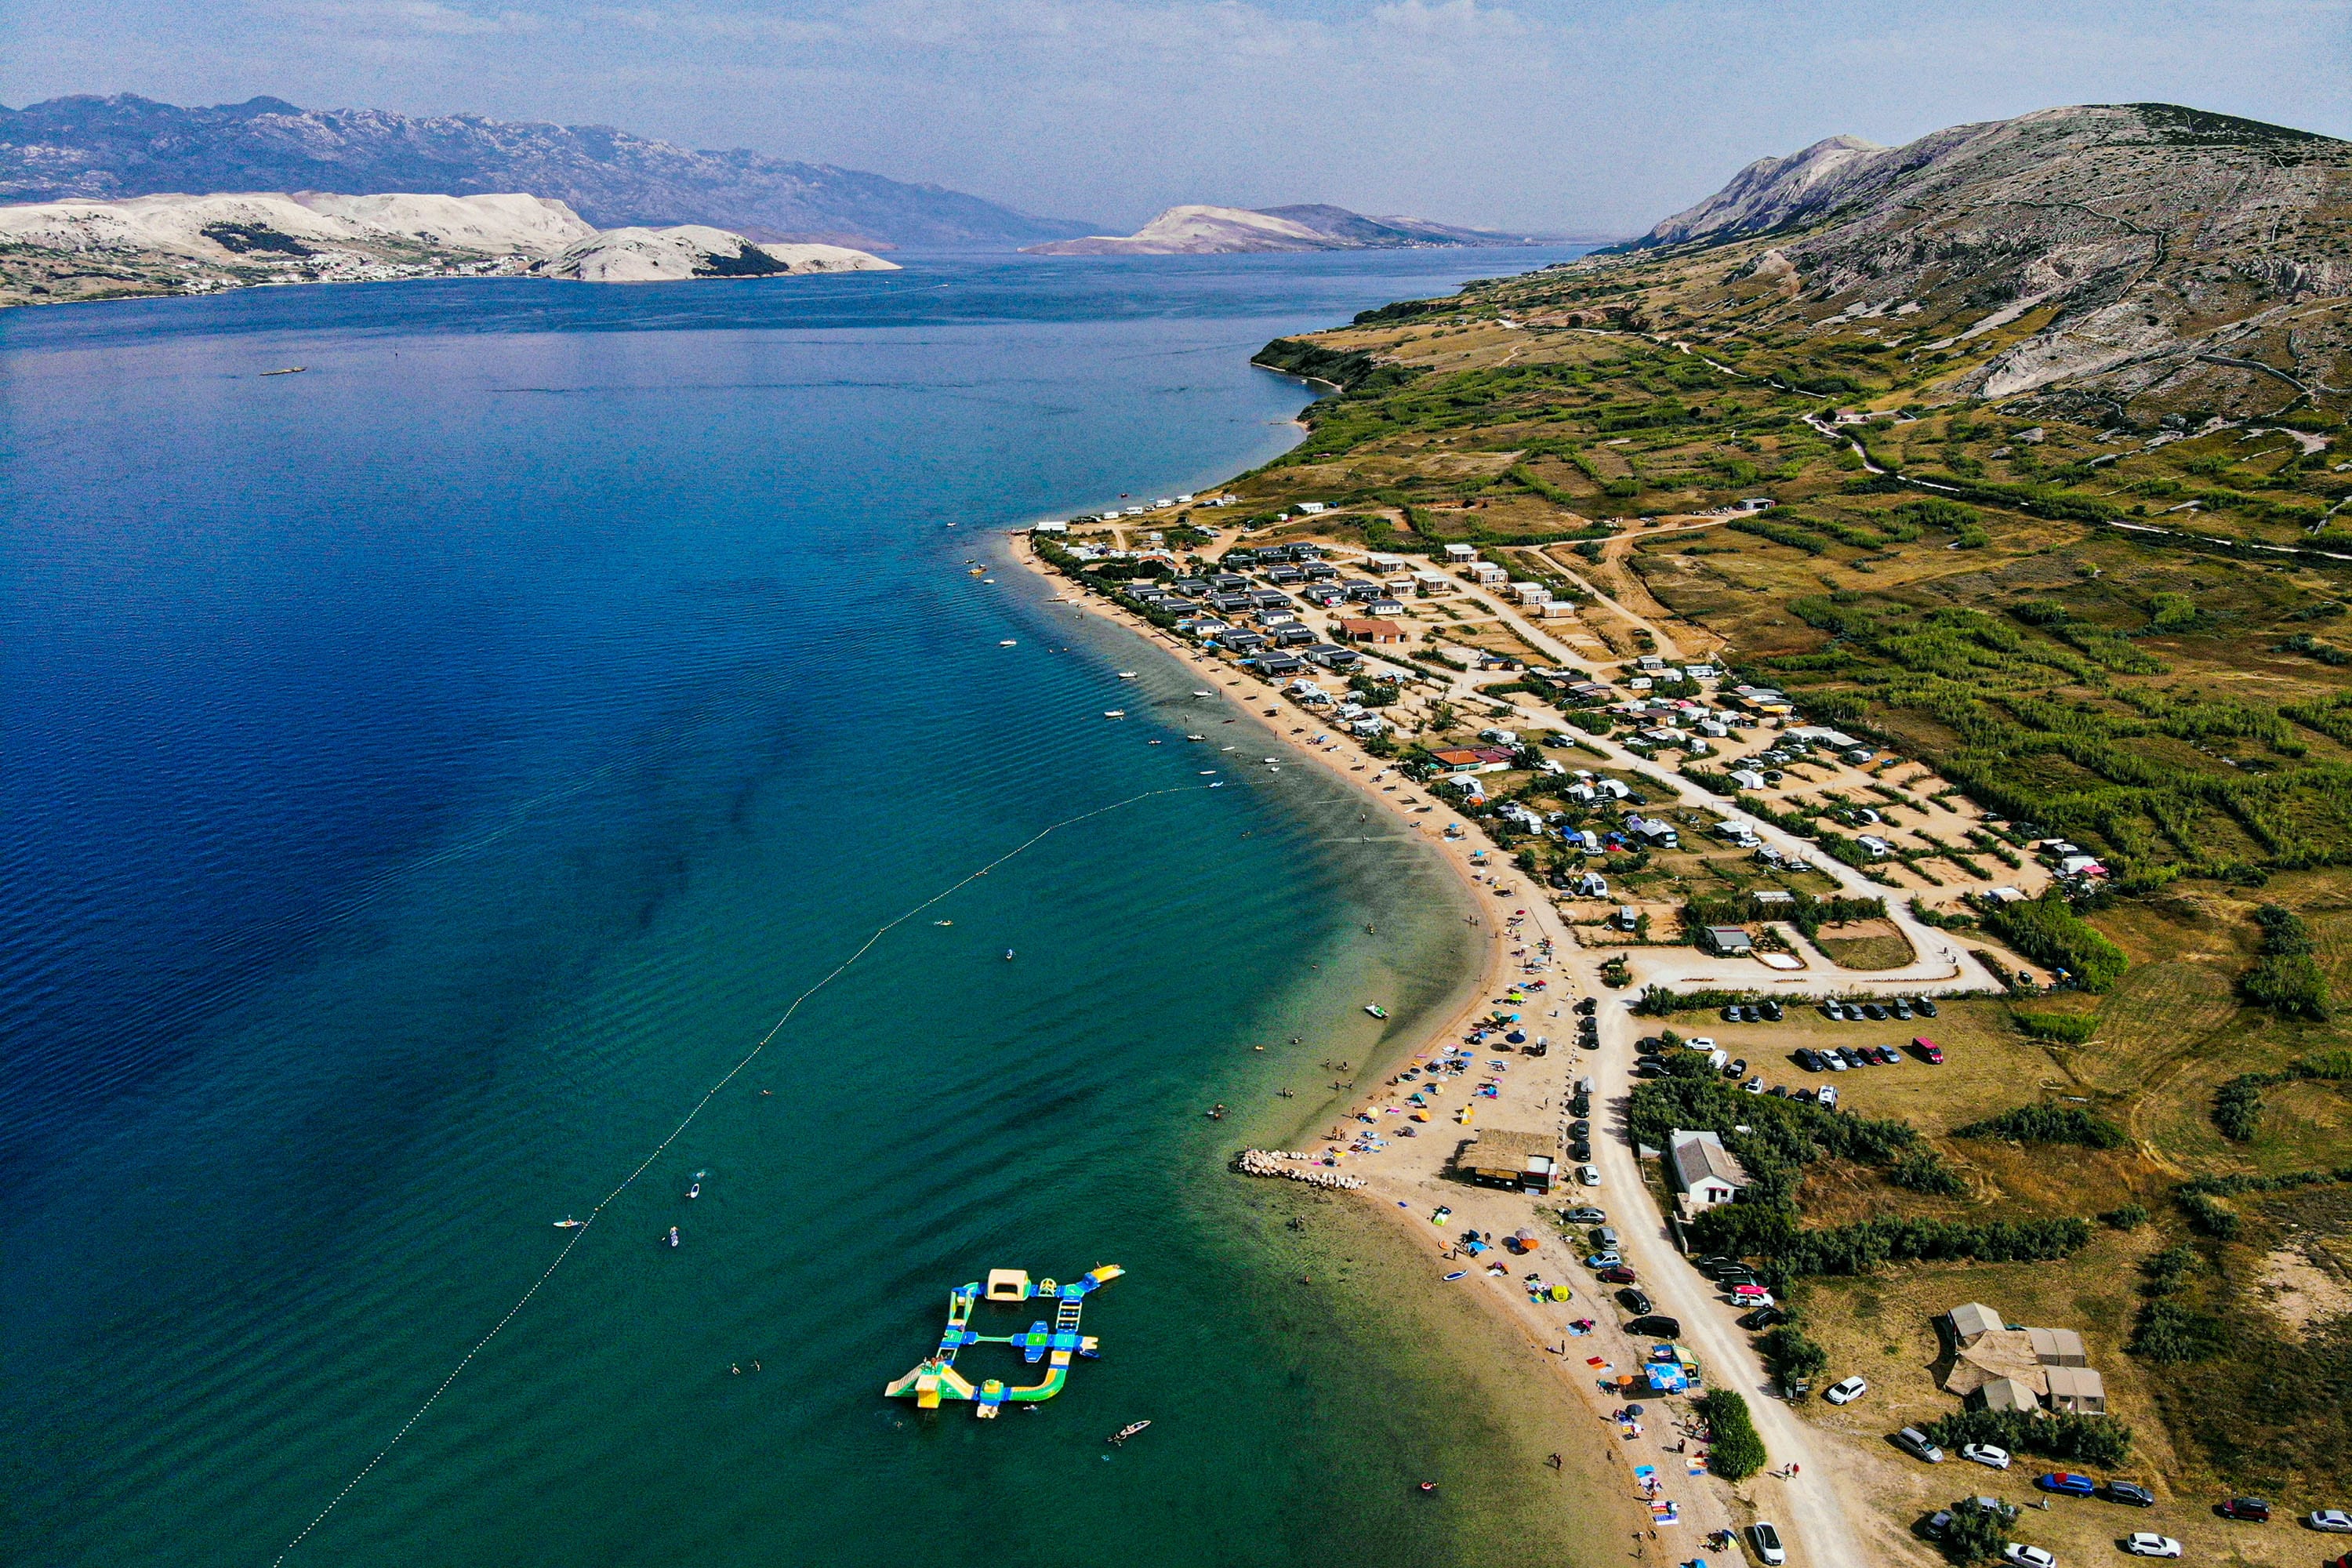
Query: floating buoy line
{"points": [[580, 1228]]}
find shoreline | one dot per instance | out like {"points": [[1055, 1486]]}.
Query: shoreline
{"points": [[1391, 1192]]}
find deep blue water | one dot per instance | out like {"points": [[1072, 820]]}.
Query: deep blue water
{"points": [[423, 776]]}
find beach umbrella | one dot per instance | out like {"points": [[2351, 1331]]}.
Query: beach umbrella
{"points": [[1633, 1410]]}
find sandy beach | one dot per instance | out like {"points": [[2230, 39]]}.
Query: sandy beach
{"points": [[1410, 1181]]}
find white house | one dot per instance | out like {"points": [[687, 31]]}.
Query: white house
{"points": [[1705, 1172], [1310, 507], [1747, 778], [1460, 554]]}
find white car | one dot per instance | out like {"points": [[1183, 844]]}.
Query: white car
{"points": [[2146, 1544], [1846, 1392], [1589, 1174], [1986, 1454], [1829, 1098], [1766, 1541], [2333, 1521], [2027, 1557]]}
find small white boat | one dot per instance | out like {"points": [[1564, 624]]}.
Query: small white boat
{"points": [[1129, 1430], [1269, 762], [1204, 694], [672, 1235], [1008, 642], [1008, 955], [943, 922], [1208, 773], [695, 1191], [1196, 737], [1218, 785], [1376, 1010], [1127, 675], [1114, 713], [570, 1223]]}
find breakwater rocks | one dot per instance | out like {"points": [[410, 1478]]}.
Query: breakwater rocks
{"points": [[1277, 1162]]}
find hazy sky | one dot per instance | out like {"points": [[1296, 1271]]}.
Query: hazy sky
{"points": [[1534, 113]]}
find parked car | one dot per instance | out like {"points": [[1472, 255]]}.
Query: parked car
{"points": [[2333, 1521], [2147, 1543], [1846, 1391], [1807, 1059], [1585, 1216], [1730, 1014], [1928, 1049], [2027, 1557], [1874, 1012], [2131, 1493], [1986, 1454], [1604, 1237], [1715, 1262], [1636, 1300], [1937, 1525], [1830, 1097], [2251, 1509], [1751, 1296], [1762, 1317], [1772, 1011], [1766, 1541], [1902, 1009], [1921, 1005], [1917, 1444], [1589, 1174], [1617, 1274], [2067, 1483], [1603, 1260], [1754, 1085], [1834, 1011], [1656, 1325]]}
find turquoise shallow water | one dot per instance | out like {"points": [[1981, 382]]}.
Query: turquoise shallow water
{"points": [[425, 775]]}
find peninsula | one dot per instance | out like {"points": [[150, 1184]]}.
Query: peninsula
{"points": [[1224, 231], [1869, 644]]}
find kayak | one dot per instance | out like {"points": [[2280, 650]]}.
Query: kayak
{"points": [[1459, 1274]]}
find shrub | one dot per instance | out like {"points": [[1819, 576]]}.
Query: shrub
{"points": [[2292, 986], [1924, 1170], [2169, 1333], [2081, 1439], [1789, 1354], [2048, 930], [2238, 1108], [2069, 1028], [2207, 1217], [1737, 1450], [2131, 1216], [2048, 1124], [1974, 1535]]}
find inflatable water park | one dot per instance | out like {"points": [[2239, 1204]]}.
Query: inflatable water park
{"points": [[1053, 1344]]}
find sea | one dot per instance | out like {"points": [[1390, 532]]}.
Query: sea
{"points": [[571, 749]]}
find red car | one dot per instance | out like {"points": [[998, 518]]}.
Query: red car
{"points": [[2252, 1508], [1928, 1048], [1619, 1275]]}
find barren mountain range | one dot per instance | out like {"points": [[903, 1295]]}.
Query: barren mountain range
{"points": [[2094, 252], [108, 148], [1214, 230]]}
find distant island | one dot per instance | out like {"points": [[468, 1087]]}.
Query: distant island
{"points": [[107, 149], [51, 252], [1221, 231]]}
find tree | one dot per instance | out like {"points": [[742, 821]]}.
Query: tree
{"points": [[1735, 1450]]}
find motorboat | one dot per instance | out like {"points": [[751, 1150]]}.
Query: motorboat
{"points": [[1008, 642], [672, 1235], [695, 1191], [1127, 675], [1129, 1430], [943, 922], [1008, 955], [1114, 713], [568, 1223], [1376, 1010]]}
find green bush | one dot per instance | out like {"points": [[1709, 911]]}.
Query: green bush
{"points": [[1789, 1354], [2170, 1333], [2238, 1107], [2292, 986], [2048, 930], [2069, 1028], [2048, 1124], [1923, 1170], [2080, 1439], [1736, 1449], [2131, 1216], [1974, 1535]]}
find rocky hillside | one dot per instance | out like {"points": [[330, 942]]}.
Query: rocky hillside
{"points": [[1214, 231], [56, 251], [2096, 254], [110, 148]]}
